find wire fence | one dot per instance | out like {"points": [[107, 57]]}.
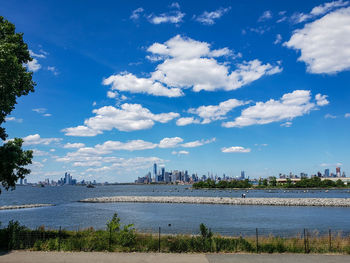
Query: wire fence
{"points": [[304, 241]]}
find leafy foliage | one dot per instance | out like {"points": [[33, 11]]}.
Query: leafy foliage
{"points": [[15, 81], [12, 162]]}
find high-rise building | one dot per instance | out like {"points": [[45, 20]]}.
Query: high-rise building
{"points": [[21, 181], [326, 173], [155, 169], [242, 175], [337, 171]]}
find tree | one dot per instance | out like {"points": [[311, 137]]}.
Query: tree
{"points": [[15, 81]]}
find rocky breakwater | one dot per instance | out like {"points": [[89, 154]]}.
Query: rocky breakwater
{"points": [[23, 206], [340, 202]]}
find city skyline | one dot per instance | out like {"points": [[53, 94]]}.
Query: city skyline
{"points": [[219, 88]]}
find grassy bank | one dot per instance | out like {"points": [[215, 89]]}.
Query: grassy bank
{"points": [[117, 238]]}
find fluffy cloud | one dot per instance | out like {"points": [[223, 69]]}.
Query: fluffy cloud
{"points": [[33, 65], [321, 100], [235, 149], [347, 115], [215, 112], [208, 18], [36, 139], [73, 145], [318, 11], [186, 121], [187, 63], [197, 143], [173, 17], [290, 106], [129, 117], [324, 44], [129, 82], [170, 142]]}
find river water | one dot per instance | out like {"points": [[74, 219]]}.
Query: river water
{"points": [[173, 218]]}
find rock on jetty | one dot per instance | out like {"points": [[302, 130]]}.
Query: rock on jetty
{"points": [[23, 206], [343, 202]]}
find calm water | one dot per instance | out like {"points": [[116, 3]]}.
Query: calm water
{"points": [[184, 218]]}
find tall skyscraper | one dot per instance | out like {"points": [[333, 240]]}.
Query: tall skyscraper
{"points": [[242, 175], [326, 173], [155, 169], [338, 171]]}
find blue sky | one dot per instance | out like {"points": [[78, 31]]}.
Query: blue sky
{"points": [[220, 87]]}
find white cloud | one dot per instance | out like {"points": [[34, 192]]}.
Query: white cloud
{"points": [[170, 142], [136, 13], [33, 65], [321, 100], [40, 110], [32, 54], [187, 63], [173, 17], [36, 139], [347, 115], [14, 119], [175, 5], [216, 112], [265, 16], [278, 39], [290, 106], [331, 164], [208, 18], [324, 44], [53, 70], [129, 117], [73, 145], [180, 152], [38, 153], [186, 121], [318, 11], [235, 149], [129, 82], [197, 143], [330, 116], [287, 124]]}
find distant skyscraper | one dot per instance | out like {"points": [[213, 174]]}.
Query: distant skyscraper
{"points": [[338, 171], [155, 169], [326, 173], [242, 175], [20, 181]]}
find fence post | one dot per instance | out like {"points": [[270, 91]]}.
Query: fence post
{"points": [[305, 240], [330, 239], [159, 240], [257, 240], [110, 239], [59, 239]]}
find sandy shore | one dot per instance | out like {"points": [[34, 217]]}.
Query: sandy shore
{"points": [[23, 206], [340, 202]]}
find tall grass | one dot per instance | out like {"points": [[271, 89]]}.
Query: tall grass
{"points": [[127, 239]]}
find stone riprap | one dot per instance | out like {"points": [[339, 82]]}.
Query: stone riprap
{"points": [[23, 206], [344, 202]]}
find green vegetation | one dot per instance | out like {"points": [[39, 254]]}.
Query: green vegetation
{"points": [[314, 182], [15, 81], [223, 184], [117, 238]]}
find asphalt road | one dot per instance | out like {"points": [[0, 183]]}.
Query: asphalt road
{"points": [[101, 257]]}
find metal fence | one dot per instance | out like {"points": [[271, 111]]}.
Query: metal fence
{"points": [[100, 240]]}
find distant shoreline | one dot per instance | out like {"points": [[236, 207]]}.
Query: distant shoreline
{"points": [[329, 202], [10, 207]]}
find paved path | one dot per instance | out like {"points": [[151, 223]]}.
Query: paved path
{"points": [[101, 257]]}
